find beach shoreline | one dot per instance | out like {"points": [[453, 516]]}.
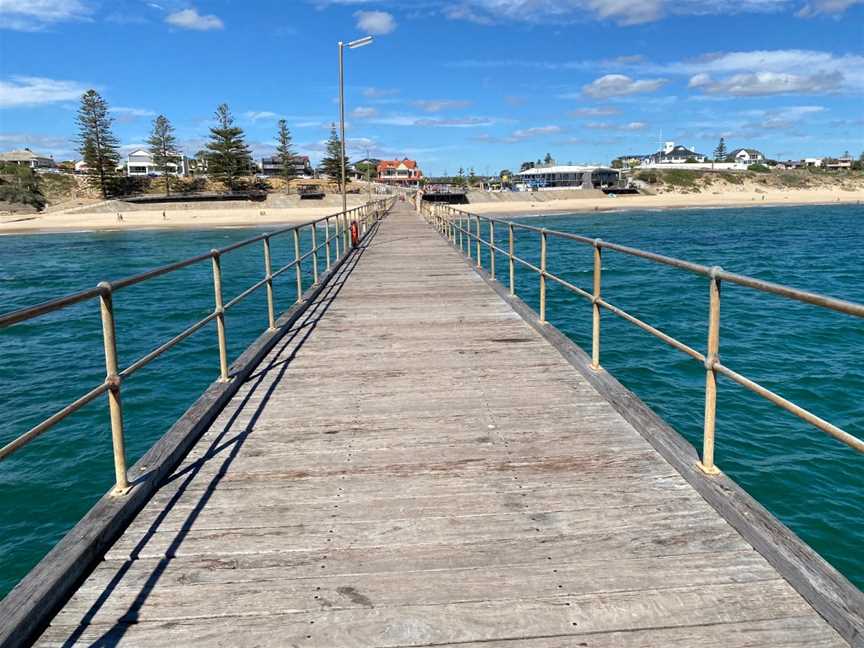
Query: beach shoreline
{"points": [[256, 217]]}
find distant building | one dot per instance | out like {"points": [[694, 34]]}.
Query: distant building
{"points": [[812, 162], [403, 171], [844, 162], [140, 163], [627, 161], [81, 167], [745, 156], [672, 153], [272, 166], [26, 157], [567, 177]]}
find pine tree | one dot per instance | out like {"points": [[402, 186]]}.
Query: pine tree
{"points": [[720, 151], [97, 144], [547, 160], [330, 163], [228, 155], [163, 148], [284, 152]]}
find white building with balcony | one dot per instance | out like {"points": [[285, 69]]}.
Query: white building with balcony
{"points": [[140, 163]]}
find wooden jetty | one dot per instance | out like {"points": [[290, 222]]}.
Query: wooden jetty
{"points": [[418, 462]]}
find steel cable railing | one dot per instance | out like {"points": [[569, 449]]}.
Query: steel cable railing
{"points": [[463, 230], [336, 246]]}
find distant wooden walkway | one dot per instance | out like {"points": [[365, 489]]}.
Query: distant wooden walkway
{"points": [[413, 465]]}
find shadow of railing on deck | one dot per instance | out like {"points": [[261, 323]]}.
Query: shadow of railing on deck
{"points": [[296, 336]]}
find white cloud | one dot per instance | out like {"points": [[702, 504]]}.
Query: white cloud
{"points": [[409, 120], [600, 111], [376, 23], [133, 112], [620, 85], [379, 93], [767, 83], [33, 15], [191, 19], [621, 12], [830, 7], [536, 131], [36, 91], [466, 122], [364, 112], [437, 105], [256, 115], [607, 126]]}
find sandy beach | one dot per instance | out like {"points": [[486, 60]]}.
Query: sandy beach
{"points": [[104, 217], [202, 218], [672, 201]]}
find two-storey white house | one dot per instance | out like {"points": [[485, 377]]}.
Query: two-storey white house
{"points": [[746, 156], [140, 163]]}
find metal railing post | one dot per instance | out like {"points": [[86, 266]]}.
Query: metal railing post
{"points": [[543, 275], [297, 270], [492, 248], [112, 378], [468, 236], [595, 306], [268, 274], [220, 316], [336, 236], [461, 237], [479, 238], [314, 253], [510, 259], [711, 358], [327, 240], [346, 232]]}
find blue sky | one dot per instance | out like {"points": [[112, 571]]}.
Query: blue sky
{"points": [[452, 83]]}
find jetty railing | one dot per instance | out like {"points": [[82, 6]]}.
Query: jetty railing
{"points": [[464, 230], [336, 244]]}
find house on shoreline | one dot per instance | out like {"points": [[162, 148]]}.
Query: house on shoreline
{"points": [[746, 156], [272, 166], [140, 163], [673, 153], [399, 172], [26, 157]]}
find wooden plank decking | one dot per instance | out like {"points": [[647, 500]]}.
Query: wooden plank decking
{"points": [[414, 465]]}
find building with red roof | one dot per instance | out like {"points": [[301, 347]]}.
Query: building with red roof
{"points": [[405, 172]]}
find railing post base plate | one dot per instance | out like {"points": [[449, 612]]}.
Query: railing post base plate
{"points": [[713, 470]]}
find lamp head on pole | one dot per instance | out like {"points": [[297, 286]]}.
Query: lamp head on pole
{"points": [[360, 42]]}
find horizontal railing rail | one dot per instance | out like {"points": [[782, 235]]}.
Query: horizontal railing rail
{"points": [[337, 243], [464, 230]]}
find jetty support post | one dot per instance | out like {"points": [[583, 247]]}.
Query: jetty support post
{"points": [[711, 359], [543, 243], [268, 275], [220, 316], [595, 306], [512, 267], [112, 378], [298, 273]]}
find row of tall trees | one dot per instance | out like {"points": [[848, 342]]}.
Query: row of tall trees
{"points": [[227, 156]]}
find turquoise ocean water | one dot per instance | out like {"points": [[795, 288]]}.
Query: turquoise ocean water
{"points": [[812, 483]]}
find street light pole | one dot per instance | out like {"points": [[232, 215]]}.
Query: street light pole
{"points": [[342, 122], [360, 42]]}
